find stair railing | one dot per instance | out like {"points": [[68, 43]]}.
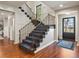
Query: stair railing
{"points": [[25, 30], [45, 20], [28, 28]]}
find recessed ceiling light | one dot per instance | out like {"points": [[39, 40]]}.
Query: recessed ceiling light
{"points": [[60, 5], [67, 13]]}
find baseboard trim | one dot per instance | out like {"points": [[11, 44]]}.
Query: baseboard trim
{"points": [[44, 46]]}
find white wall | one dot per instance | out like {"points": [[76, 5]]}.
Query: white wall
{"points": [[7, 7], [26, 9]]}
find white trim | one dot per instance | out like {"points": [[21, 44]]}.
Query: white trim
{"points": [[44, 46]]}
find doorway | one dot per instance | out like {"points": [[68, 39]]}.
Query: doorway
{"points": [[1, 28], [68, 28], [7, 25]]}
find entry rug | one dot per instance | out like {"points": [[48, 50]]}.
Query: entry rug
{"points": [[66, 44]]}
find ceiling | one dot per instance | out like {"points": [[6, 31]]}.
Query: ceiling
{"points": [[53, 4], [12, 3], [66, 4]]}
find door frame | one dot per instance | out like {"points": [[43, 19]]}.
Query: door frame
{"points": [[12, 23], [63, 26]]}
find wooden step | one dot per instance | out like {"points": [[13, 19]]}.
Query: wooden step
{"points": [[34, 38], [31, 42], [27, 47]]}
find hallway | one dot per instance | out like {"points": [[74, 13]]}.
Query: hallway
{"points": [[9, 50]]}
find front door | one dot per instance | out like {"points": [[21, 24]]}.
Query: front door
{"points": [[69, 28]]}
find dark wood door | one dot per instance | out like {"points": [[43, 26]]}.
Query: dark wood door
{"points": [[69, 28]]}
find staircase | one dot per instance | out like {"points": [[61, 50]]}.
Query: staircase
{"points": [[32, 41]]}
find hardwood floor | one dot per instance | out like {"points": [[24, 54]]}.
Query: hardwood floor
{"points": [[9, 50]]}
